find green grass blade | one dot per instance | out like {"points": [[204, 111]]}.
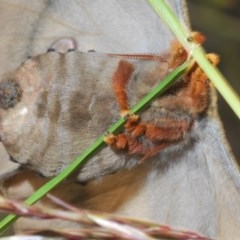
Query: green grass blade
{"points": [[42, 191], [182, 33]]}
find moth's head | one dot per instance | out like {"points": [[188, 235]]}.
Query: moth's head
{"points": [[10, 92]]}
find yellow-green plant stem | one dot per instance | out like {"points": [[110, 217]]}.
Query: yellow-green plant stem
{"points": [[42, 191], [196, 51]]}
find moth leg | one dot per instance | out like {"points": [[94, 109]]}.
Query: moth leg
{"points": [[178, 54], [199, 85], [126, 142], [167, 130], [118, 141], [171, 132], [133, 146], [123, 140], [157, 137], [120, 80]]}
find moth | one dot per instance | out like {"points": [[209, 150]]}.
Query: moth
{"points": [[52, 105], [193, 183]]}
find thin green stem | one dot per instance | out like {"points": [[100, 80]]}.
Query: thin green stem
{"points": [[182, 33], [42, 191]]}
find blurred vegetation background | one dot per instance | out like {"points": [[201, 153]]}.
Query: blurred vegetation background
{"points": [[219, 20]]}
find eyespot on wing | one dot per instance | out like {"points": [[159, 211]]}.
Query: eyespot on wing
{"points": [[10, 93]]}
